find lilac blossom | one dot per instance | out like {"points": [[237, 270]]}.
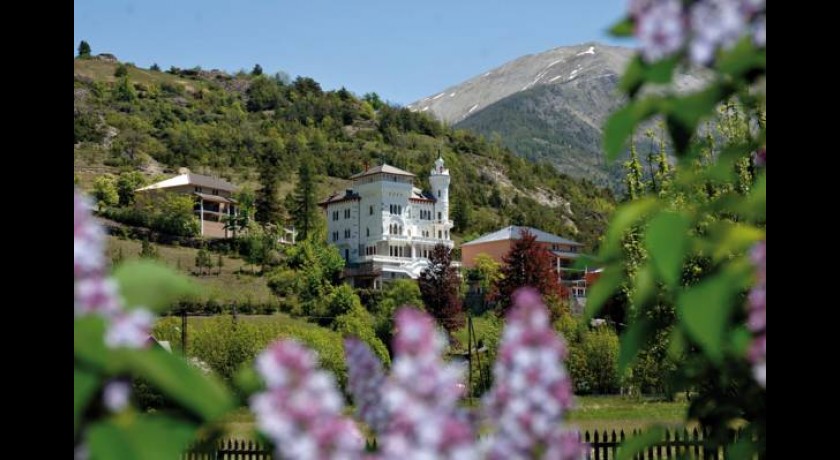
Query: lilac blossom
{"points": [[130, 329], [664, 27], [715, 23], [759, 31], [116, 395], [365, 380], [757, 318], [532, 390], [300, 410], [660, 27], [95, 293], [88, 239], [421, 396]]}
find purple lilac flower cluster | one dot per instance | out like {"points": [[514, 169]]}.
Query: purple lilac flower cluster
{"points": [[415, 409], [421, 396], [97, 294], [757, 320], [666, 26], [532, 390], [365, 380], [300, 410]]}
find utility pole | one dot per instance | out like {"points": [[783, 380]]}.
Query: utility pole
{"points": [[184, 331]]}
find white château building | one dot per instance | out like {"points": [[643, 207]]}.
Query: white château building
{"points": [[385, 227]]}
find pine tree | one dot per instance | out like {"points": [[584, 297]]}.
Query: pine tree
{"points": [[527, 264], [461, 214], [305, 201], [267, 204], [155, 67], [439, 289], [84, 50], [257, 71]]}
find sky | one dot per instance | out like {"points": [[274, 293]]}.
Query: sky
{"points": [[403, 50]]}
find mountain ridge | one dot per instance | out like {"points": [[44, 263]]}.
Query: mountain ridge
{"points": [[547, 106]]}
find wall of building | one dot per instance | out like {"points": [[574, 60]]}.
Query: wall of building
{"points": [[494, 249]]}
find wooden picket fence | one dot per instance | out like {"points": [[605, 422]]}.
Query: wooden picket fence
{"points": [[602, 446]]}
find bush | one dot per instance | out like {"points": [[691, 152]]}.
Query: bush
{"points": [[358, 322], [593, 356]]}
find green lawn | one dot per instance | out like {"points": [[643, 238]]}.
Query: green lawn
{"points": [[602, 413], [623, 413], [230, 285]]}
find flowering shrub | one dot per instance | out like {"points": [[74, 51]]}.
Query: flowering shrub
{"points": [[685, 258], [113, 317], [415, 410]]}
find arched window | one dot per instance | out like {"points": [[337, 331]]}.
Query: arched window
{"points": [[368, 231]]}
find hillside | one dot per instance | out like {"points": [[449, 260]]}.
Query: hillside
{"points": [[546, 106], [222, 124]]}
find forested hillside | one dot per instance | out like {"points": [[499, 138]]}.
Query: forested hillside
{"points": [[128, 119]]}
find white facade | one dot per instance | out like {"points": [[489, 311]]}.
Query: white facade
{"points": [[384, 227]]}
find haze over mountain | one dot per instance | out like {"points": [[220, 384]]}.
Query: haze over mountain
{"points": [[550, 105]]}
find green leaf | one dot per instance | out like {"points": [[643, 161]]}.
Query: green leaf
{"points": [[644, 286], [88, 345], [676, 345], [704, 310], [633, 77], [637, 444], [625, 217], [172, 375], [85, 385], [152, 285], [741, 59], [249, 381], [741, 339], [144, 437], [632, 341], [602, 290], [638, 73], [621, 124], [731, 238], [755, 205], [623, 28], [662, 71], [666, 240], [685, 113]]}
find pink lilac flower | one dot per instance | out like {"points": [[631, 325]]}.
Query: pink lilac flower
{"points": [[532, 390], [421, 396], [94, 292], [97, 295], [759, 31], [715, 23], [116, 394], [365, 380], [88, 239], [660, 28], [757, 318], [301, 407], [130, 329]]}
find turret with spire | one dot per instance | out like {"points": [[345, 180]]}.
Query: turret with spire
{"points": [[439, 180]]}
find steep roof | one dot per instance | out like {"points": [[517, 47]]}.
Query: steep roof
{"points": [[387, 169], [192, 179], [514, 232]]}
